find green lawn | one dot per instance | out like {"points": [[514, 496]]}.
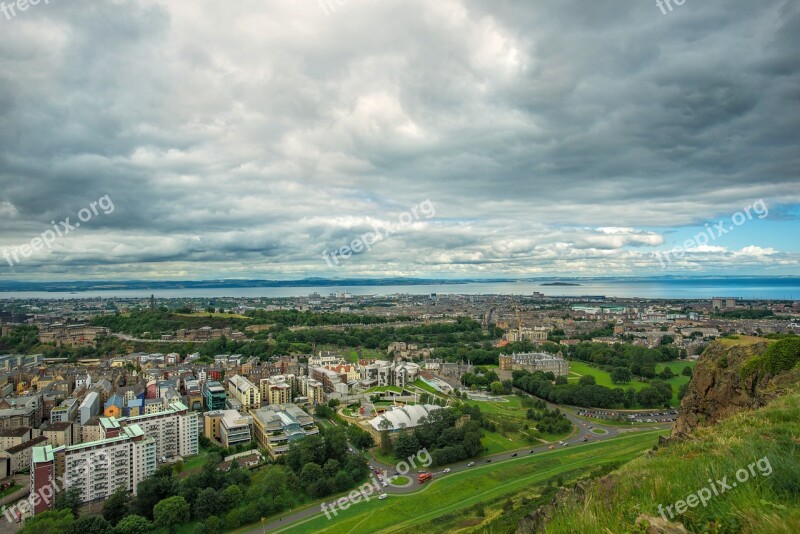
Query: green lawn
{"points": [[195, 462], [450, 493], [511, 409], [603, 378], [8, 491]]}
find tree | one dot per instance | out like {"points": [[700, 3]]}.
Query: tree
{"points": [[90, 524], [406, 446], [587, 380], [178, 466], [207, 503], [171, 512], [50, 522], [230, 497], [666, 373], [213, 525], [69, 500], [154, 489], [620, 375], [134, 524], [311, 473], [687, 371], [496, 388], [115, 506]]}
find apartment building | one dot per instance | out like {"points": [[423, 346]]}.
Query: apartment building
{"points": [[244, 391], [89, 407], [175, 430], [214, 395], [277, 389], [275, 427], [311, 389], [229, 427], [66, 411], [123, 458]]}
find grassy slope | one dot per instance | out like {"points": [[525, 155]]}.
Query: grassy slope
{"points": [[450, 493], [768, 504]]}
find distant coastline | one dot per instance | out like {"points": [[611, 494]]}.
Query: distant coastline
{"points": [[559, 284]]}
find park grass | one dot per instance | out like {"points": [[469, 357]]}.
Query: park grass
{"points": [[457, 491], [400, 480], [510, 409], [603, 378], [767, 502], [196, 462]]}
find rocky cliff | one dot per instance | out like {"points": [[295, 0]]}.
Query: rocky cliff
{"points": [[720, 386]]}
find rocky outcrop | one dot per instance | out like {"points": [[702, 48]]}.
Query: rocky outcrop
{"points": [[719, 388]]}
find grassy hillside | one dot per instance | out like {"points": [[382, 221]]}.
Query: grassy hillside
{"points": [[763, 503], [450, 495]]}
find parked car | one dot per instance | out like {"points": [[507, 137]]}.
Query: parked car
{"points": [[489, 460], [446, 470], [585, 440], [530, 451], [382, 496], [551, 447], [514, 455], [470, 464]]}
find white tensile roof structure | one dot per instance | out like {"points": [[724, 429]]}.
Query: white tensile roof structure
{"points": [[405, 417]]}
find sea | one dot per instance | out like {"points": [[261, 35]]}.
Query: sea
{"points": [[777, 288]]}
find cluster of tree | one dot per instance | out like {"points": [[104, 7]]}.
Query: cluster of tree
{"points": [[586, 393], [322, 464], [549, 421], [20, 339], [744, 314], [481, 378], [440, 436], [618, 358], [288, 318]]}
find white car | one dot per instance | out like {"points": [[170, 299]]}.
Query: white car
{"points": [[382, 496], [385, 483], [470, 464], [446, 471]]}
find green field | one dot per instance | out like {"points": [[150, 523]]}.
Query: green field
{"points": [[450, 493], [512, 409], [603, 378]]}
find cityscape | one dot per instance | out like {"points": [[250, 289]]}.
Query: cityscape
{"points": [[373, 267]]}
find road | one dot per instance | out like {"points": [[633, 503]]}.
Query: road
{"points": [[576, 439]]}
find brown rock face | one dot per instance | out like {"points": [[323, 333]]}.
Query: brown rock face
{"points": [[718, 390]]}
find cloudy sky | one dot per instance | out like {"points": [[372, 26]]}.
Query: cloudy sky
{"points": [[489, 138]]}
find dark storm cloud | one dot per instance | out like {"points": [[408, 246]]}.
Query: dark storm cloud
{"points": [[245, 139]]}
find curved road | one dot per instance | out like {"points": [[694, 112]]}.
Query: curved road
{"points": [[576, 438]]}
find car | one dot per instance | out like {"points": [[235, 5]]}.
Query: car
{"points": [[530, 451], [470, 464], [446, 470], [385, 483], [551, 447], [489, 460], [564, 444], [377, 472], [514, 455], [382, 496], [585, 440], [371, 466]]}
